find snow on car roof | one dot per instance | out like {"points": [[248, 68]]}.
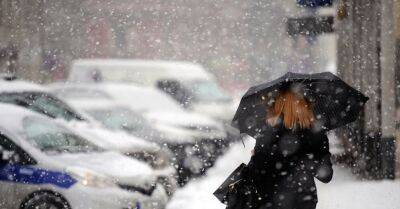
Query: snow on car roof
{"points": [[128, 62], [98, 104], [137, 97], [78, 91], [113, 140], [19, 86], [89, 104], [182, 68], [143, 98]]}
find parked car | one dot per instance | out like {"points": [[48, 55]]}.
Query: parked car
{"points": [[117, 116], [188, 83], [44, 164], [137, 148], [192, 86], [195, 140], [120, 120], [39, 99]]}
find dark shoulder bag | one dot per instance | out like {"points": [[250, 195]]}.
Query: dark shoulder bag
{"points": [[236, 192], [229, 187]]}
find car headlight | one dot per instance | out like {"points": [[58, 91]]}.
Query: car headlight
{"points": [[91, 179]]}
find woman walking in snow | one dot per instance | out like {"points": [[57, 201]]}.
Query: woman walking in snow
{"points": [[289, 118], [288, 154]]}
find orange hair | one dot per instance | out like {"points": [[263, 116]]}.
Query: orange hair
{"points": [[293, 108]]}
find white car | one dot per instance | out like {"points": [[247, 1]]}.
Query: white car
{"points": [[188, 83], [39, 99], [137, 148], [196, 140], [175, 122], [46, 165]]}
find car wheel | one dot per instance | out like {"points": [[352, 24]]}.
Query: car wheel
{"points": [[45, 201]]}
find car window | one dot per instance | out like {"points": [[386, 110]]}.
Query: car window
{"points": [[54, 107], [15, 98], [124, 119], [206, 91], [10, 148], [51, 137], [42, 103], [20, 99]]}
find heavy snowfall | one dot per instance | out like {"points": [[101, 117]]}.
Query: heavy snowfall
{"points": [[128, 104]]}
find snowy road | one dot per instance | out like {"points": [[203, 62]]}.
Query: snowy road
{"points": [[344, 192]]}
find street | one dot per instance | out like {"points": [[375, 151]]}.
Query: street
{"points": [[345, 191]]}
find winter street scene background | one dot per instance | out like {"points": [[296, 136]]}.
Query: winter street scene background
{"points": [[128, 104]]}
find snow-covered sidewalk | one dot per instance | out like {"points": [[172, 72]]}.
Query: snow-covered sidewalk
{"points": [[344, 192]]}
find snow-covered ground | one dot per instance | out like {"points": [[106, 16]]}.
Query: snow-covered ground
{"points": [[344, 191]]}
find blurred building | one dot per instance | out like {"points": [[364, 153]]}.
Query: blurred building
{"points": [[368, 54], [242, 42], [213, 33], [43, 35]]}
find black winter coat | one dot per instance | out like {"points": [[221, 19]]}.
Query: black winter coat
{"points": [[284, 165]]}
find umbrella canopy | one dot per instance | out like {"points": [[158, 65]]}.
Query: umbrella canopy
{"points": [[334, 102]]}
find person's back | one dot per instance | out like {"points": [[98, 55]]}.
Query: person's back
{"points": [[287, 156]]}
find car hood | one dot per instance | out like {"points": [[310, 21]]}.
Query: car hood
{"points": [[180, 118], [219, 111], [112, 140], [121, 169], [184, 127]]}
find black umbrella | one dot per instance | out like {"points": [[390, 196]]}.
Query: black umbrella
{"points": [[334, 102]]}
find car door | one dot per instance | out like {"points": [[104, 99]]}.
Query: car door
{"points": [[12, 157]]}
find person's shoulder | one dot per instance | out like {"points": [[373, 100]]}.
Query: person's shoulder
{"points": [[317, 137]]}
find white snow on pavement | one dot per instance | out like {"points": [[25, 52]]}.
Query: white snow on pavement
{"points": [[343, 192]]}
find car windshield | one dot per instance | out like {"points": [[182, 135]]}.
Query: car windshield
{"points": [[120, 118], [43, 103], [206, 91], [53, 138]]}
